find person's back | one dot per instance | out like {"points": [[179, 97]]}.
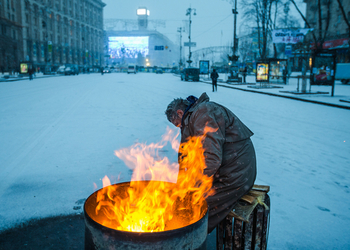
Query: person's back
{"points": [[229, 154], [214, 75]]}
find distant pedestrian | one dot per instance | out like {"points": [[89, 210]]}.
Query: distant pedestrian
{"points": [[31, 73], [284, 73], [244, 74], [214, 78], [102, 70]]}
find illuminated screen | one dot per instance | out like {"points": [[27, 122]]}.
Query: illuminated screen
{"points": [[24, 68], [127, 47], [262, 72]]}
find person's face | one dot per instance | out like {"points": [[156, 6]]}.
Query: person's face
{"points": [[177, 120]]}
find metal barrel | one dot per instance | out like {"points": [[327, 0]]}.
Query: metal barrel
{"points": [[99, 237]]}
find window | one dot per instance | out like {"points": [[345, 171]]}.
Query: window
{"points": [[27, 18], [14, 34], [3, 30]]}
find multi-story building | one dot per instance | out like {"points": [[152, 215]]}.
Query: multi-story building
{"points": [[50, 33], [11, 47], [335, 35]]}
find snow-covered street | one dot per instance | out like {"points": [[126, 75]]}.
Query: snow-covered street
{"points": [[58, 136]]}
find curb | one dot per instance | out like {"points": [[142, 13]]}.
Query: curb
{"points": [[27, 78], [289, 97]]}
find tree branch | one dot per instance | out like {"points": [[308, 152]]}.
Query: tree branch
{"points": [[328, 18], [341, 7], [303, 17]]}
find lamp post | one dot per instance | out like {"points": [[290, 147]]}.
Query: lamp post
{"points": [[180, 62], [189, 13], [234, 58]]}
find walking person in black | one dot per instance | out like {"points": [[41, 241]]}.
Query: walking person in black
{"points": [[214, 77], [31, 73], [244, 73]]}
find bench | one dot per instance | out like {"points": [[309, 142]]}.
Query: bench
{"points": [[247, 225]]}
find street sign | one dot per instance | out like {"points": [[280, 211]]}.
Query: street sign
{"points": [[192, 44], [158, 47], [288, 50]]}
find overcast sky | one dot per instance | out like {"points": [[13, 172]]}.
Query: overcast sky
{"points": [[212, 26]]}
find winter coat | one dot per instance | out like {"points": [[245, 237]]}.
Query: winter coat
{"points": [[214, 75], [229, 154]]}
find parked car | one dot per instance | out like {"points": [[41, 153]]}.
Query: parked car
{"points": [[342, 72], [61, 70], [71, 71], [131, 68], [159, 71], [190, 74]]}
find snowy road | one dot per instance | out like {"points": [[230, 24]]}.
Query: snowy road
{"points": [[58, 136]]}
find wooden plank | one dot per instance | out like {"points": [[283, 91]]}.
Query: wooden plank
{"points": [[228, 233], [242, 210], [262, 188], [236, 216], [259, 222], [248, 198], [248, 233], [255, 193], [237, 235], [220, 236]]}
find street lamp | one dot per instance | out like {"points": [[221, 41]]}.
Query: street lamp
{"points": [[189, 13], [234, 58], [180, 30]]}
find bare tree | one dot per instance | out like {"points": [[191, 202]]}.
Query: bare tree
{"points": [[322, 33], [258, 10], [347, 21], [287, 21], [265, 14], [246, 50]]}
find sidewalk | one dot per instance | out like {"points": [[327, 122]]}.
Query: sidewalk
{"points": [[13, 78], [318, 94]]}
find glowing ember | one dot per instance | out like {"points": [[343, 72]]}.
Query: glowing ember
{"points": [[152, 203]]}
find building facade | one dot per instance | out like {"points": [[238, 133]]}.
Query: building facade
{"points": [[11, 46], [334, 30], [161, 51], [143, 47], [56, 32]]}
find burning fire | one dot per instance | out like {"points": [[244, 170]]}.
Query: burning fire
{"points": [[154, 201]]}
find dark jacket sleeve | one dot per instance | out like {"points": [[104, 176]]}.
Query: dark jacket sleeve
{"points": [[213, 142]]}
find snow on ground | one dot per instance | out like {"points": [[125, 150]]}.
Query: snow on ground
{"points": [[58, 137]]}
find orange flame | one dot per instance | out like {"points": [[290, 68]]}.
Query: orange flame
{"points": [[155, 201]]}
